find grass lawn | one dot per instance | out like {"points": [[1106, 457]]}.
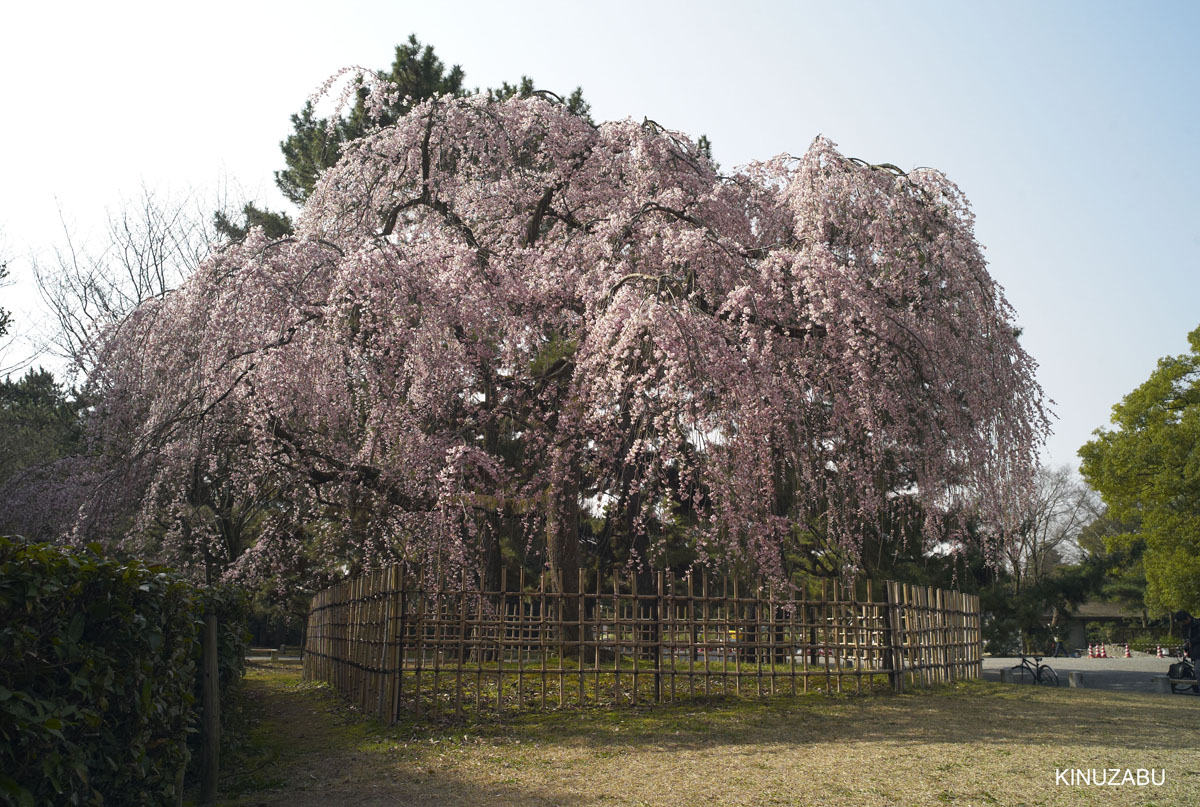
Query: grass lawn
{"points": [[971, 744]]}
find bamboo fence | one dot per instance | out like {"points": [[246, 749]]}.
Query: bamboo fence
{"points": [[395, 641]]}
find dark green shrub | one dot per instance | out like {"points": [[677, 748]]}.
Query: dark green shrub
{"points": [[99, 664]]}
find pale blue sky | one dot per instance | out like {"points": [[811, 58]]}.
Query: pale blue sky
{"points": [[1072, 127]]}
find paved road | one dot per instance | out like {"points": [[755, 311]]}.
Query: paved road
{"points": [[1121, 674]]}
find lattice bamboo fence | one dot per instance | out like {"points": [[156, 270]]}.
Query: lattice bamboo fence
{"points": [[395, 641]]}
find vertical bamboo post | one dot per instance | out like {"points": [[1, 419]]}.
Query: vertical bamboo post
{"points": [[658, 650], [599, 633], [933, 642], [384, 650], [733, 635], [924, 632], [581, 652], [419, 627], [480, 629], [856, 622], [527, 603], [892, 637], [707, 637], [438, 621], [911, 633], [691, 633], [560, 621], [460, 600], [928, 636], [501, 637], [616, 636], [826, 617], [806, 656], [945, 636], [755, 629], [672, 629], [873, 637], [401, 636], [635, 624], [791, 644], [543, 627]]}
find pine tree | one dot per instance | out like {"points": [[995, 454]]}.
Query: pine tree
{"points": [[315, 145]]}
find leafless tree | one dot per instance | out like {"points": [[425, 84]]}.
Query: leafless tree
{"points": [[8, 336], [5, 316], [1059, 507], [151, 244]]}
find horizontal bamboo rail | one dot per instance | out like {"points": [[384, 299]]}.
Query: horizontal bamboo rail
{"points": [[396, 641]]}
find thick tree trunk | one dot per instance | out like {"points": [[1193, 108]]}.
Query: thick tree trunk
{"points": [[489, 581], [645, 579], [562, 548]]}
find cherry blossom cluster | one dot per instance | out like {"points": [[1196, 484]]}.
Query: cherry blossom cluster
{"points": [[497, 309]]}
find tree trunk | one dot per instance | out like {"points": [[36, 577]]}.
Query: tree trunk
{"points": [[645, 578], [562, 548]]}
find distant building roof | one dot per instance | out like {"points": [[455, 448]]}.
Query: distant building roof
{"points": [[1093, 609]]}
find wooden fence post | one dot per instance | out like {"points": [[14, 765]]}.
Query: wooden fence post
{"points": [[658, 637], [892, 635], [211, 726]]}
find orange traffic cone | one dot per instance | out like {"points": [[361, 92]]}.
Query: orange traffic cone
{"points": [[1103, 651], [1127, 653], [1158, 651], [1091, 651]]}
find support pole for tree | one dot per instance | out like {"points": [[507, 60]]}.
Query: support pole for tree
{"points": [[891, 633], [211, 726]]}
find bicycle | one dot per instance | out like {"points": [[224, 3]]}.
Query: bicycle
{"points": [[1036, 673], [1182, 673]]}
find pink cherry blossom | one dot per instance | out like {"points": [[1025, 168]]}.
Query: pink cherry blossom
{"points": [[498, 310]]}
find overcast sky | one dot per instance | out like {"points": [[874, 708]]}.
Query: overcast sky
{"points": [[1072, 127]]}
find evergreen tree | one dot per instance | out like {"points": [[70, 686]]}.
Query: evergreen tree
{"points": [[275, 225], [315, 143], [40, 422], [43, 475]]}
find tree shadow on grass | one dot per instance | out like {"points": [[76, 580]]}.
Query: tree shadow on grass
{"points": [[308, 748], [322, 752], [976, 712]]}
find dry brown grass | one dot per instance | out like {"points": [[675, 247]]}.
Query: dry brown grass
{"points": [[975, 744]]}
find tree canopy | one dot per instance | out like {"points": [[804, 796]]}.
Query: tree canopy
{"points": [[497, 316], [1147, 469]]}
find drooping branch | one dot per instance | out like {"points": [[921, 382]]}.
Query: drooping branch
{"points": [[781, 350]]}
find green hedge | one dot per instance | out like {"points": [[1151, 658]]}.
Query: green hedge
{"points": [[99, 663]]}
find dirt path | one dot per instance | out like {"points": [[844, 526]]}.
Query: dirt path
{"points": [[981, 744]]}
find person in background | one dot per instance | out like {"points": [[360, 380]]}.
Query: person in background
{"points": [[1191, 639]]}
